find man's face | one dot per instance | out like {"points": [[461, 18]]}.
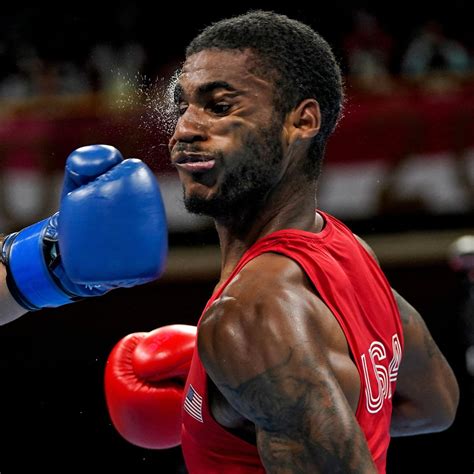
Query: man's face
{"points": [[227, 143]]}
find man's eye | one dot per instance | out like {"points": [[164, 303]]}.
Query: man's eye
{"points": [[182, 108], [220, 108]]}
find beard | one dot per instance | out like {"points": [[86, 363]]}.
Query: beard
{"points": [[251, 173]]}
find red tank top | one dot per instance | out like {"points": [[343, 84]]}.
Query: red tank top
{"points": [[356, 291]]}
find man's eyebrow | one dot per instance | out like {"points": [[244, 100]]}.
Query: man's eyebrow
{"points": [[211, 86], [203, 89]]}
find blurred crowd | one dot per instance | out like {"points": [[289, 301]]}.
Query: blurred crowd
{"points": [[373, 57], [371, 54]]}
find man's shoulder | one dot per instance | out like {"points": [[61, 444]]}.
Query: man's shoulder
{"points": [[267, 289], [270, 306], [268, 270]]}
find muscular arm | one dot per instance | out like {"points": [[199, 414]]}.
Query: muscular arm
{"points": [[427, 394], [261, 346], [9, 308]]}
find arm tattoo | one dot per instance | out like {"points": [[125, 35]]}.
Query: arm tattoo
{"points": [[298, 421]]}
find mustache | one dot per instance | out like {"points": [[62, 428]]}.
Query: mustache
{"points": [[192, 148], [182, 147]]}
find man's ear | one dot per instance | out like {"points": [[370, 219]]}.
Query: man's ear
{"points": [[304, 121]]}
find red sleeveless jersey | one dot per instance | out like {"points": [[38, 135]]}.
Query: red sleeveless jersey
{"points": [[352, 285]]}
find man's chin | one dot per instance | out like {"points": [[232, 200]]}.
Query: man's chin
{"points": [[201, 206]]}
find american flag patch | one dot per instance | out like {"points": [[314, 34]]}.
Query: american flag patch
{"points": [[193, 404]]}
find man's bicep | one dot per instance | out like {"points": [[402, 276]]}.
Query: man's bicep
{"points": [[279, 379], [264, 362], [279, 397], [421, 353], [427, 393]]}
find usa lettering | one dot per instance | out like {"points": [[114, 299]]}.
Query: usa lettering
{"points": [[377, 368]]}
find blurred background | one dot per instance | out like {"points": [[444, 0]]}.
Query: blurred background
{"points": [[399, 171]]}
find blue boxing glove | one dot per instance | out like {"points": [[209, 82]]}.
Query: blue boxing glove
{"points": [[110, 232]]}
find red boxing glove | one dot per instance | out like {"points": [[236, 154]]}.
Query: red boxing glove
{"points": [[144, 381]]}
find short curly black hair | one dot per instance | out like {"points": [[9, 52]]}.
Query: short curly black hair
{"points": [[298, 59]]}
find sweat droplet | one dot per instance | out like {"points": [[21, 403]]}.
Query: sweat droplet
{"points": [[154, 99], [150, 109]]}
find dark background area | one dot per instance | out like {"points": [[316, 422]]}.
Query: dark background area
{"points": [[166, 28]]}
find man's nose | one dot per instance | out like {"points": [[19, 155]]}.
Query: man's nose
{"points": [[189, 128]]}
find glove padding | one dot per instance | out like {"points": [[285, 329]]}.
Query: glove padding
{"points": [[144, 382], [110, 232]]}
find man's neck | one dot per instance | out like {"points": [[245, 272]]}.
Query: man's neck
{"points": [[288, 210]]}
